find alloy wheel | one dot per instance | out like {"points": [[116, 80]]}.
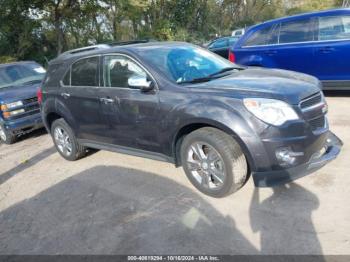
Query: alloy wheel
{"points": [[63, 141], [206, 165], [2, 134]]}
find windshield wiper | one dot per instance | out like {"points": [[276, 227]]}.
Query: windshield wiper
{"points": [[211, 76], [196, 80], [226, 69]]}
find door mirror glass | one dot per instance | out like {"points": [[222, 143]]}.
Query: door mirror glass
{"points": [[141, 82]]}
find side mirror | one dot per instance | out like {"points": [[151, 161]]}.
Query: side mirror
{"points": [[141, 82]]}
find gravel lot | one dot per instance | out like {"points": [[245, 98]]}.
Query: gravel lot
{"points": [[109, 203]]}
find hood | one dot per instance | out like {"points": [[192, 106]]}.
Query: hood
{"points": [[285, 85], [15, 93]]}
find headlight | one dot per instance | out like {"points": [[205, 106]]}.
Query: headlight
{"points": [[271, 111], [14, 104]]}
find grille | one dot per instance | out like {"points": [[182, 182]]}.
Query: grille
{"points": [[30, 100], [30, 106], [318, 123], [310, 101]]}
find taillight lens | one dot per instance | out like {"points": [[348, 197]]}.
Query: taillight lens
{"points": [[39, 94], [231, 56]]}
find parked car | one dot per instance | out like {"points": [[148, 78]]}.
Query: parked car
{"points": [[222, 45], [238, 32], [180, 103], [19, 108], [314, 43]]}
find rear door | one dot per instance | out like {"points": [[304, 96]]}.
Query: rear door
{"points": [[294, 49], [256, 48], [80, 95], [333, 50]]}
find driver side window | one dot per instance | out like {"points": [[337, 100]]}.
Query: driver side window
{"points": [[119, 69]]}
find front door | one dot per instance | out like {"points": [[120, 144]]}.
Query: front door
{"points": [[130, 113]]}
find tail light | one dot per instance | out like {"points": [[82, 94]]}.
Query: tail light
{"points": [[39, 94], [231, 56]]}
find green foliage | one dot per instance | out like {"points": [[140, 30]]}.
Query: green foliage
{"points": [[40, 29], [7, 59]]}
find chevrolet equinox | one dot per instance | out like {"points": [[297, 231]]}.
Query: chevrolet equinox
{"points": [[182, 104]]}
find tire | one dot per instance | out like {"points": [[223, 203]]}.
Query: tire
{"points": [[6, 136], [226, 168], [65, 141]]}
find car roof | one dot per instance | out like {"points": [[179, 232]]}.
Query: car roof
{"points": [[17, 63], [110, 48], [303, 15]]}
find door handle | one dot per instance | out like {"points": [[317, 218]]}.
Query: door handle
{"points": [[65, 95], [270, 52], [107, 100], [326, 49]]}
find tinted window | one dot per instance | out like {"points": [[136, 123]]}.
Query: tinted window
{"points": [[261, 37], [232, 40], [118, 70], [85, 72], [296, 31], [334, 27], [219, 43]]}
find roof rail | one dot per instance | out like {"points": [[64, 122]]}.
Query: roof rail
{"points": [[131, 42], [85, 49]]}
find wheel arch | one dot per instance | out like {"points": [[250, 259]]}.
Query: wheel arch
{"points": [[190, 127]]}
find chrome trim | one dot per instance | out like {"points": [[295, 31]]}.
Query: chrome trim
{"points": [[307, 109]]}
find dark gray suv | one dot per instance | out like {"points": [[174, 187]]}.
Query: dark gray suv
{"points": [[180, 103]]}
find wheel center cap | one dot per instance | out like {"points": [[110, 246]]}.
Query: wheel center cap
{"points": [[205, 165]]}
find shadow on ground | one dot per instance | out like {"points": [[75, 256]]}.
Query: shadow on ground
{"points": [[27, 164], [113, 210]]}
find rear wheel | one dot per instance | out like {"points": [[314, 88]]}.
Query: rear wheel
{"points": [[6, 136], [214, 162], [65, 141]]}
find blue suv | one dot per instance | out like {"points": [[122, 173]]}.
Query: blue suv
{"points": [[314, 43], [19, 105]]}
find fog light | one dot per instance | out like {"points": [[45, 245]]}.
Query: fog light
{"points": [[287, 156]]}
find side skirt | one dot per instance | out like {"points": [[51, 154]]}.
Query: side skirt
{"points": [[127, 150]]}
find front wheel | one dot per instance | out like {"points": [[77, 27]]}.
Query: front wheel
{"points": [[214, 162]]}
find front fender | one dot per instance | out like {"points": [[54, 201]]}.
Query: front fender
{"points": [[232, 120]]}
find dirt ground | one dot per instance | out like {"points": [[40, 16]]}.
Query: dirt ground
{"points": [[109, 203]]}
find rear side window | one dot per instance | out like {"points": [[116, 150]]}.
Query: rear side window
{"points": [[296, 31], [219, 43], [85, 72], [334, 28], [264, 36]]}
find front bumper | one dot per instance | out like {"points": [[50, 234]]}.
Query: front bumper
{"points": [[24, 125], [277, 177]]}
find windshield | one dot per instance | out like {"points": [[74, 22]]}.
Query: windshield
{"points": [[187, 63], [18, 74]]}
